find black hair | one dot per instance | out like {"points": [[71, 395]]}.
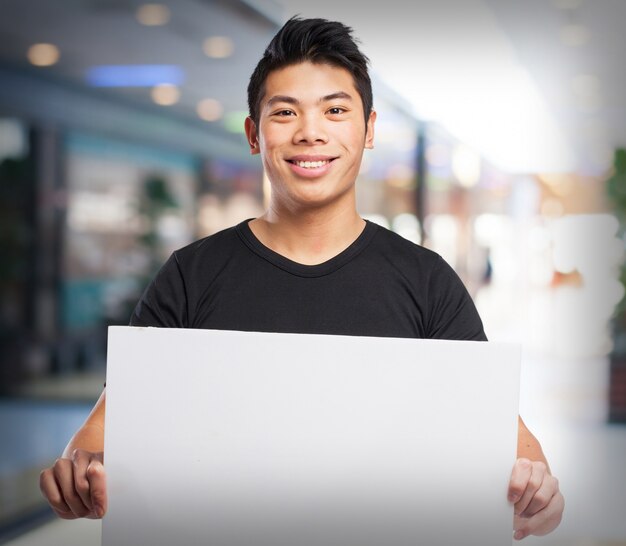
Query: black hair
{"points": [[318, 41]]}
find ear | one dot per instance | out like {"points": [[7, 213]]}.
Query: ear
{"points": [[252, 136], [369, 131]]}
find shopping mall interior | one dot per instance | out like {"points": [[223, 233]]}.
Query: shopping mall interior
{"points": [[500, 144]]}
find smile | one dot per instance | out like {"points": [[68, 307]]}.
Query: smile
{"points": [[310, 167], [310, 164]]}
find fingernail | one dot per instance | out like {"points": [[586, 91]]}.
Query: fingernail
{"points": [[518, 535], [99, 511], [513, 497]]}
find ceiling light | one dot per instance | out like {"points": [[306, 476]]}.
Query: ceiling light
{"points": [[134, 75], [209, 110], [165, 94], [43, 54], [574, 35], [153, 15], [218, 47]]}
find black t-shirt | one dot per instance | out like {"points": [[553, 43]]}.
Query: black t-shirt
{"points": [[381, 285]]}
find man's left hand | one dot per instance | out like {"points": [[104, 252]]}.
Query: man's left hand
{"points": [[538, 503]]}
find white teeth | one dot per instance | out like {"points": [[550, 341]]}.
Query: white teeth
{"points": [[311, 164]]}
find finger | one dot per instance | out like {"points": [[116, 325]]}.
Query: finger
{"points": [[522, 527], [64, 476], [520, 475], [80, 460], [520, 533], [538, 474], [66, 515], [97, 485], [52, 493], [543, 522], [542, 497]]}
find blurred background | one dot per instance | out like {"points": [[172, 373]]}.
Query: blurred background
{"points": [[499, 144]]}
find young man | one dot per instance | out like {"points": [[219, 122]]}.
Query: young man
{"points": [[310, 263]]}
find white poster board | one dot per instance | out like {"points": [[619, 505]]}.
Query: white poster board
{"points": [[253, 439]]}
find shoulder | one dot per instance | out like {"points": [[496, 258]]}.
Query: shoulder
{"points": [[404, 253], [447, 307], [169, 300], [424, 269], [397, 242], [220, 239], [212, 249]]}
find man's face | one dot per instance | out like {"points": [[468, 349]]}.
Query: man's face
{"points": [[311, 135]]}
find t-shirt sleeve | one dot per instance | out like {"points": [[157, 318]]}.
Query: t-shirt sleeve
{"points": [[452, 313], [164, 301]]}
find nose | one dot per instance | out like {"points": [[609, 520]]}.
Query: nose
{"points": [[310, 130]]}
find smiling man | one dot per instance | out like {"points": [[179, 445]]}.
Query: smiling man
{"points": [[310, 128], [310, 264]]}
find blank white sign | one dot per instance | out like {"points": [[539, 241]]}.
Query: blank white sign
{"points": [[255, 439]]}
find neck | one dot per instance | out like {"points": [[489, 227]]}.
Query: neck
{"points": [[308, 236]]}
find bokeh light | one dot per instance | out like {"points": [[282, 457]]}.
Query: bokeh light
{"points": [[153, 15], [43, 54], [209, 110], [218, 47], [165, 94]]}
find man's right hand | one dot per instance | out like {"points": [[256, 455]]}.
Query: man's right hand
{"points": [[75, 487]]}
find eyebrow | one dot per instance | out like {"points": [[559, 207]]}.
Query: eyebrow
{"points": [[292, 100], [337, 95]]}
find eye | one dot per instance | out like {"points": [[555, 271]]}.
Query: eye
{"points": [[336, 110], [284, 113]]}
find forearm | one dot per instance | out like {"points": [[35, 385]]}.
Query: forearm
{"points": [[533, 490], [75, 485], [90, 436], [528, 446]]}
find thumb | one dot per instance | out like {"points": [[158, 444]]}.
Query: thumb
{"points": [[97, 485]]}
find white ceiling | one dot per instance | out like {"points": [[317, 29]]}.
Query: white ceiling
{"points": [[582, 85], [104, 32], [497, 74], [494, 72]]}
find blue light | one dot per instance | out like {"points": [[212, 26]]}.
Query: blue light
{"points": [[138, 75]]}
